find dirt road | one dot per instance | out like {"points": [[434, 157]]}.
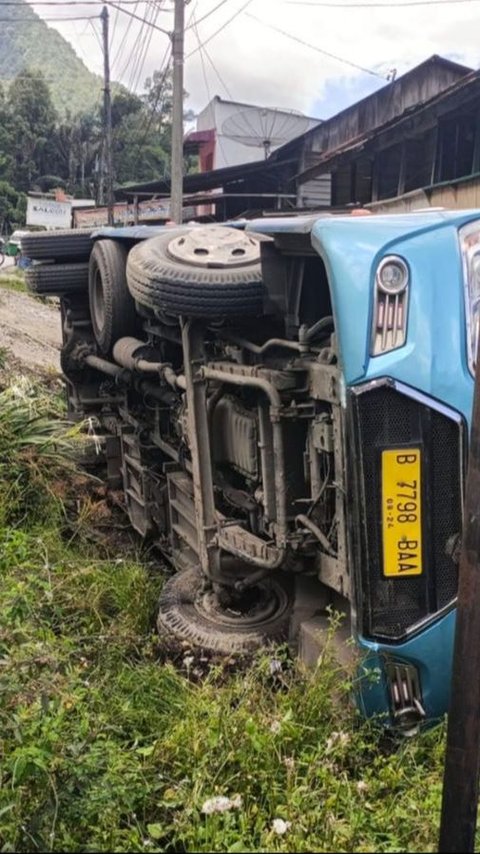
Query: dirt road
{"points": [[29, 330]]}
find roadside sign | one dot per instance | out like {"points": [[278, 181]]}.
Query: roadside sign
{"points": [[49, 213]]}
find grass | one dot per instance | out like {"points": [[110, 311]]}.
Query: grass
{"points": [[13, 281], [105, 745]]}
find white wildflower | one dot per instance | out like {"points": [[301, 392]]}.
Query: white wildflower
{"points": [[289, 763], [275, 666], [362, 787], [281, 827], [275, 727], [188, 661], [221, 804], [340, 738], [94, 435]]}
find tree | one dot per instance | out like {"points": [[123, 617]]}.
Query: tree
{"points": [[32, 120], [39, 151], [6, 143], [76, 150], [12, 208]]}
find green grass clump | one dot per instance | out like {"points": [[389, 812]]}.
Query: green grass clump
{"points": [[34, 448], [14, 281], [105, 746]]}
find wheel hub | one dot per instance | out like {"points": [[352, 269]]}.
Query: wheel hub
{"points": [[216, 246], [250, 609]]}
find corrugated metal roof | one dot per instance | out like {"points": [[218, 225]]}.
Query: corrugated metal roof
{"points": [[434, 60], [466, 85], [200, 181]]}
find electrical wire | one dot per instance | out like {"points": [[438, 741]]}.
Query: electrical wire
{"points": [[138, 47], [124, 39], [113, 29], [48, 20], [220, 78], [374, 5], [220, 29], [166, 64], [143, 54], [138, 17], [131, 53], [78, 42], [96, 34], [207, 87], [315, 47], [204, 70], [207, 14], [66, 3]]}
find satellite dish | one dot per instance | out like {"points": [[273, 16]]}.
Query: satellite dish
{"points": [[262, 128]]}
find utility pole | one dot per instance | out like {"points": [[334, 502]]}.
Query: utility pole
{"points": [[178, 41], [462, 761], [107, 117]]}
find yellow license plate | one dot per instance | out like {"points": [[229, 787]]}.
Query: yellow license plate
{"points": [[402, 512]]}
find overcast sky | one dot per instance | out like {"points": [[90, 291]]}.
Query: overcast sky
{"points": [[250, 61]]}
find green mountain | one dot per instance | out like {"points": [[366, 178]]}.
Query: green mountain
{"points": [[28, 42]]}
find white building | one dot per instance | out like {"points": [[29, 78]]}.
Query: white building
{"points": [[230, 133]]}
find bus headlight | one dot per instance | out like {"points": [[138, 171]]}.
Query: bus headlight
{"points": [[392, 281]]}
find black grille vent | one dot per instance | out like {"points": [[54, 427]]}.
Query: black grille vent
{"points": [[383, 417]]}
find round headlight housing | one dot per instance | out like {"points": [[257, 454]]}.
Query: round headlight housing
{"points": [[392, 275]]}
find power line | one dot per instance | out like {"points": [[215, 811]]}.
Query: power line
{"points": [[134, 52], [96, 35], [114, 27], [207, 14], [220, 29], [143, 52], [315, 47], [124, 38], [133, 15], [138, 45], [373, 5], [67, 3], [204, 70], [166, 63], [48, 20], [220, 78], [207, 87]]}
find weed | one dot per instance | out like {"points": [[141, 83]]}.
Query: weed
{"points": [[13, 282], [105, 746], [34, 449]]}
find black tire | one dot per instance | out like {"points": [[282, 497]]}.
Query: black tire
{"points": [[72, 244], [112, 308], [182, 616], [161, 282], [53, 279]]}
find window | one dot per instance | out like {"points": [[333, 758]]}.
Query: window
{"points": [[456, 145]]}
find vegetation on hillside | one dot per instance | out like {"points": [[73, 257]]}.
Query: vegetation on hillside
{"points": [[51, 120], [39, 151], [106, 745], [30, 43]]}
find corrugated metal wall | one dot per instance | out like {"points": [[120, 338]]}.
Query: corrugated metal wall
{"points": [[464, 193], [315, 193]]}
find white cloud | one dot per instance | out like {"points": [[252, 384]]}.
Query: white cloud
{"points": [[262, 66]]}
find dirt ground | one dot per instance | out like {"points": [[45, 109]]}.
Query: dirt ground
{"points": [[29, 330]]}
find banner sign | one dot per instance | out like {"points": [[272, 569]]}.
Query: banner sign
{"points": [[49, 213], [124, 214]]}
